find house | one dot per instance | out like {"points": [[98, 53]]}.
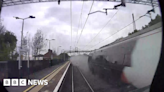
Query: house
{"points": [[49, 55]]}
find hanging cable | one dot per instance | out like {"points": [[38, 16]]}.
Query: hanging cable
{"points": [[102, 29], [115, 32], [79, 23], [85, 22]]}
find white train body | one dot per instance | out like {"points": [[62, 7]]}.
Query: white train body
{"points": [[135, 57]]}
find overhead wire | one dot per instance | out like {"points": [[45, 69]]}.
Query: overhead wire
{"points": [[115, 33], [101, 29], [80, 19], [85, 22]]}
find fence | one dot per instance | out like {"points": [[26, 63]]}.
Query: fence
{"points": [[9, 69]]}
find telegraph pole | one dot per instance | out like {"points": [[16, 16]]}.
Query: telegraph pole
{"points": [[134, 24]]}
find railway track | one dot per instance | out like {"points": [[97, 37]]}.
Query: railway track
{"points": [[75, 81]]}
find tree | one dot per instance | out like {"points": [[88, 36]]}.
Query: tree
{"points": [[152, 22], [7, 45], [1, 29], [24, 41], [25, 46], [15, 55], [63, 55], [54, 52], [11, 39], [38, 42]]}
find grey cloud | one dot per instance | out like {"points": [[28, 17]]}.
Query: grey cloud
{"points": [[61, 14], [54, 21]]}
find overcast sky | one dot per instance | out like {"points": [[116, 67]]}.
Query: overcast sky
{"points": [[54, 21]]}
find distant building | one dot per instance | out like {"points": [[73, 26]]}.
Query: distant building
{"points": [[49, 55]]}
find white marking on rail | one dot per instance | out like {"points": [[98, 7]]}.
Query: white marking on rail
{"points": [[86, 81], [61, 79]]}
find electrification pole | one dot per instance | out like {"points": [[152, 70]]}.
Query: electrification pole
{"points": [[134, 24]]}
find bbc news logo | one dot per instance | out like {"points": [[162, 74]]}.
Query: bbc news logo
{"points": [[23, 82]]}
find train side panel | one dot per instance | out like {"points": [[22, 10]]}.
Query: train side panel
{"points": [[133, 60], [144, 59]]}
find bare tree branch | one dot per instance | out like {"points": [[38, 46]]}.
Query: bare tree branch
{"points": [[38, 42]]}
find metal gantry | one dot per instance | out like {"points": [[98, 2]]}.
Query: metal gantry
{"points": [[19, 2], [74, 51]]}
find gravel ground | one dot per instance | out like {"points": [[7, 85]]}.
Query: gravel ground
{"points": [[79, 83], [99, 83], [96, 81]]}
